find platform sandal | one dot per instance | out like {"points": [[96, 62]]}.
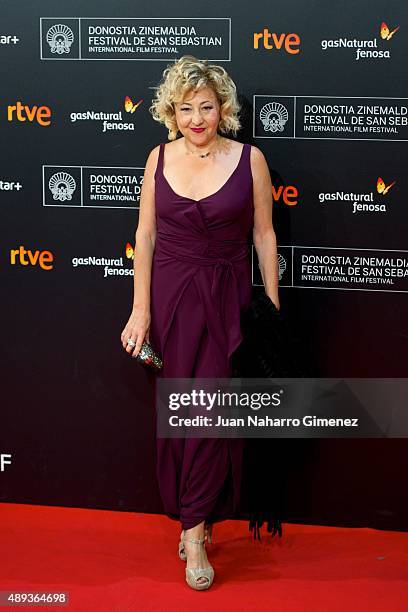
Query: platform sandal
{"points": [[207, 535], [193, 574]]}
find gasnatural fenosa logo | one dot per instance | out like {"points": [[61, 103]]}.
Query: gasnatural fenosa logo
{"points": [[365, 202], [111, 266], [110, 121], [365, 48], [129, 251]]}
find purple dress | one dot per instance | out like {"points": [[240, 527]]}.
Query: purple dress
{"points": [[200, 283]]}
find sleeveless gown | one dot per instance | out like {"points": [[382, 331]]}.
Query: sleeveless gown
{"points": [[200, 282]]}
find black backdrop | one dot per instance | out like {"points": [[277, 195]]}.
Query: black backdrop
{"points": [[76, 415]]}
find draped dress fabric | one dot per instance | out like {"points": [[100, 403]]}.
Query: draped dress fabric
{"points": [[200, 282]]}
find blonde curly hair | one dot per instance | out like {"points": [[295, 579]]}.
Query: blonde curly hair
{"points": [[187, 74]]}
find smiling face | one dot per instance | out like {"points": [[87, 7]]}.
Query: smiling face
{"points": [[199, 110]]}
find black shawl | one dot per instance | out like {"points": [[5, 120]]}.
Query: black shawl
{"points": [[267, 351]]}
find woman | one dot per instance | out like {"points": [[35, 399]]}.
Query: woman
{"points": [[202, 195]]}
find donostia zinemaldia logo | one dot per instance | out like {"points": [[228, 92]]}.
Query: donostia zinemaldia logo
{"points": [[282, 265], [60, 38], [62, 185], [274, 117]]}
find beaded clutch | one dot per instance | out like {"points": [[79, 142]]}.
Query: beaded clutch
{"points": [[148, 357]]}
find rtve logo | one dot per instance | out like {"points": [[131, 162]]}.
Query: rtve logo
{"points": [[20, 112], [25, 257], [271, 40], [289, 194]]}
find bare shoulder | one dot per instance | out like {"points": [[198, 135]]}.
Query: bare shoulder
{"points": [[259, 165], [257, 157], [229, 145], [148, 184], [150, 168], [152, 158]]}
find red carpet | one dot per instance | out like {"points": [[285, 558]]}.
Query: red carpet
{"points": [[120, 561]]}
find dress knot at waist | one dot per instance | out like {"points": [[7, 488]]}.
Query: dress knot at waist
{"points": [[221, 261], [202, 250]]}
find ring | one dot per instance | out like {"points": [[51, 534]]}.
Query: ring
{"points": [[130, 342]]}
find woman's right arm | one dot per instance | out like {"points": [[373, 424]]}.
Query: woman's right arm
{"points": [[137, 327]]}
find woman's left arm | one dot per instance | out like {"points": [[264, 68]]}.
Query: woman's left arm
{"points": [[264, 237]]}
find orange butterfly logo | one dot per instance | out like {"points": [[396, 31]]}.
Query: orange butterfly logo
{"points": [[130, 107], [385, 31], [382, 188], [130, 253]]}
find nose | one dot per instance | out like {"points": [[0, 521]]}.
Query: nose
{"points": [[197, 119]]}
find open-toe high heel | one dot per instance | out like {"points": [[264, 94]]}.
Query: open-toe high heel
{"points": [[193, 574], [181, 551], [208, 532], [207, 535]]}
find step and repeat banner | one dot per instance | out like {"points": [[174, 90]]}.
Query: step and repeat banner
{"points": [[324, 95]]}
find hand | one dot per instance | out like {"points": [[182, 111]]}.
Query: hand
{"points": [[137, 328]]}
